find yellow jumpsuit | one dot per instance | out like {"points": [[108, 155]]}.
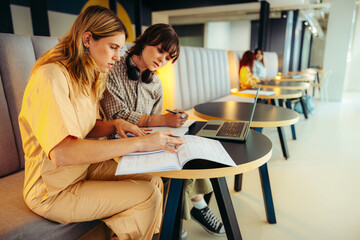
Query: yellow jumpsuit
{"points": [[130, 205], [247, 78]]}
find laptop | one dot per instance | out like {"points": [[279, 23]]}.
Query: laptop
{"points": [[228, 130]]}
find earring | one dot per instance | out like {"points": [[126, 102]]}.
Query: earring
{"points": [[87, 51]]}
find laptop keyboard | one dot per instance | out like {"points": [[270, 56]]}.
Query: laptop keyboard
{"points": [[230, 129]]}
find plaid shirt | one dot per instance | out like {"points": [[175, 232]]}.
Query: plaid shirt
{"points": [[128, 99]]}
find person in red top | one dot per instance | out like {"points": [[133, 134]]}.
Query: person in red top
{"points": [[246, 76]]}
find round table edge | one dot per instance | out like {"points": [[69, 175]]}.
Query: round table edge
{"points": [[216, 172]]}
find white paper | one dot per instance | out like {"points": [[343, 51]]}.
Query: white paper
{"points": [[194, 148], [203, 148], [266, 93]]}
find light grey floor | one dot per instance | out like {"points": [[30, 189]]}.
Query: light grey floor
{"points": [[316, 191]]}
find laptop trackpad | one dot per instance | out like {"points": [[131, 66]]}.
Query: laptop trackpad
{"points": [[211, 127]]}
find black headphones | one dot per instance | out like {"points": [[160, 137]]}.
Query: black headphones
{"points": [[132, 71]]}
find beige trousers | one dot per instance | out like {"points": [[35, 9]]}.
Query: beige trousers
{"points": [[130, 205]]}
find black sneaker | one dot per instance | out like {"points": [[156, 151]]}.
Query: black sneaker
{"points": [[207, 219]]}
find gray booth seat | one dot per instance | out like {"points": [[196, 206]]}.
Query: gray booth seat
{"points": [[17, 57]]}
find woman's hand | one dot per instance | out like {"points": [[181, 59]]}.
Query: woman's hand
{"points": [[165, 140], [123, 127], [176, 120]]}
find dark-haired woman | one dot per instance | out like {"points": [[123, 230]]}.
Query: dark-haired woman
{"points": [[134, 93], [247, 78], [259, 66]]}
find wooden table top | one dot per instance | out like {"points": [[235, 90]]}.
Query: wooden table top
{"points": [[249, 155], [265, 115], [280, 93], [290, 79], [286, 85]]}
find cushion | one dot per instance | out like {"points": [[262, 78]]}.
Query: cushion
{"points": [[199, 75], [19, 222], [43, 44], [9, 158], [17, 59]]}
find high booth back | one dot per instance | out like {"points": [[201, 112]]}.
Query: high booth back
{"points": [[17, 57]]}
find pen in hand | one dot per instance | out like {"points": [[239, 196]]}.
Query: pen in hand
{"points": [[183, 115]]}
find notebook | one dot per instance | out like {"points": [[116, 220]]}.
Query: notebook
{"points": [[229, 130]]}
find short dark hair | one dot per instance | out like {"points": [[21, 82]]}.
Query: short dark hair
{"points": [[154, 35], [258, 49], [157, 34]]}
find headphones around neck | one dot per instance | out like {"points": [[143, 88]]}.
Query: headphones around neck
{"points": [[132, 71]]}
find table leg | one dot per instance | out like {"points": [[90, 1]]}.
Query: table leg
{"points": [[172, 222], [238, 182], [283, 142], [266, 188], [303, 105], [276, 103], [207, 197], [226, 208], [288, 105], [238, 177], [316, 80]]}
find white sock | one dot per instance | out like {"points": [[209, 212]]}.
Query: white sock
{"points": [[200, 204]]}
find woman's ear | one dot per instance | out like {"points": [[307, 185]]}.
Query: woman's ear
{"points": [[86, 39]]}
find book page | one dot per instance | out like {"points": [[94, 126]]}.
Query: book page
{"points": [[156, 162], [203, 148], [181, 131]]}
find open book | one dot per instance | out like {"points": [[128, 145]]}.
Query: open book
{"points": [[194, 148], [181, 131]]}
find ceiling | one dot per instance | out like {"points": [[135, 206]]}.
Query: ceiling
{"points": [[313, 11]]}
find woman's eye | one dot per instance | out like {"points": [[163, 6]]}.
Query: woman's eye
{"points": [[112, 47], [167, 58], [160, 50]]}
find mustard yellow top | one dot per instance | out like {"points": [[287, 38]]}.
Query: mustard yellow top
{"points": [[50, 112], [247, 79]]}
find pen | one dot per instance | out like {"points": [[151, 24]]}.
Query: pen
{"points": [[183, 115], [172, 111]]}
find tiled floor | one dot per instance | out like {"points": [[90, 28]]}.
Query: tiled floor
{"points": [[316, 191]]}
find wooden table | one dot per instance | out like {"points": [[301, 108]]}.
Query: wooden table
{"points": [[286, 85], [289, 86], [249, 155], [296, 79], [265, 116], [280, 95]]}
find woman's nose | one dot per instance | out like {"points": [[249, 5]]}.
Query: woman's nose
{"points": [[117, 56]]}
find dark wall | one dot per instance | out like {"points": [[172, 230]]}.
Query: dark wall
{"points": [[160, 5], [190, 35], [6, 25], [275, 37], [74, 7]]}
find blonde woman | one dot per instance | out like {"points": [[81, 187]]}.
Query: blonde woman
{"points": [[69, 178]]}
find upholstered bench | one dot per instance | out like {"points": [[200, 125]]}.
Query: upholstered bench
{"points": [[17, 57]]}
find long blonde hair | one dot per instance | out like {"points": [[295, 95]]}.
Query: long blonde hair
{"points": [[70, 51]]}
